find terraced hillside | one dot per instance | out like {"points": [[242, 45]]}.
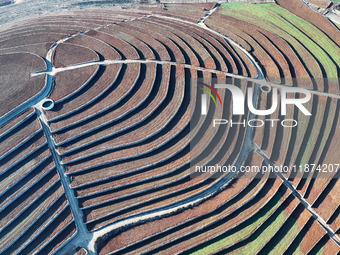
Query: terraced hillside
{"points": [[109, 169]]}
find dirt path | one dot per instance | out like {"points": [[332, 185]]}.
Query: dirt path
{"points": [[82, 231], [303, 201]]}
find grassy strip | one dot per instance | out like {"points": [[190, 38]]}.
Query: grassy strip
{"points": [[269, 16], [253, 246], [321, 251], [240, 231], [293, 41], [289, 230], [322, 40], [298, 251]]}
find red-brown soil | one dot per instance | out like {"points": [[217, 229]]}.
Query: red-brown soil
{"points": [[15, 82]]}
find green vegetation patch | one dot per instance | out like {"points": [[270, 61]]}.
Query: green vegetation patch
{"points": [[242, 231], [295, 30]]}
